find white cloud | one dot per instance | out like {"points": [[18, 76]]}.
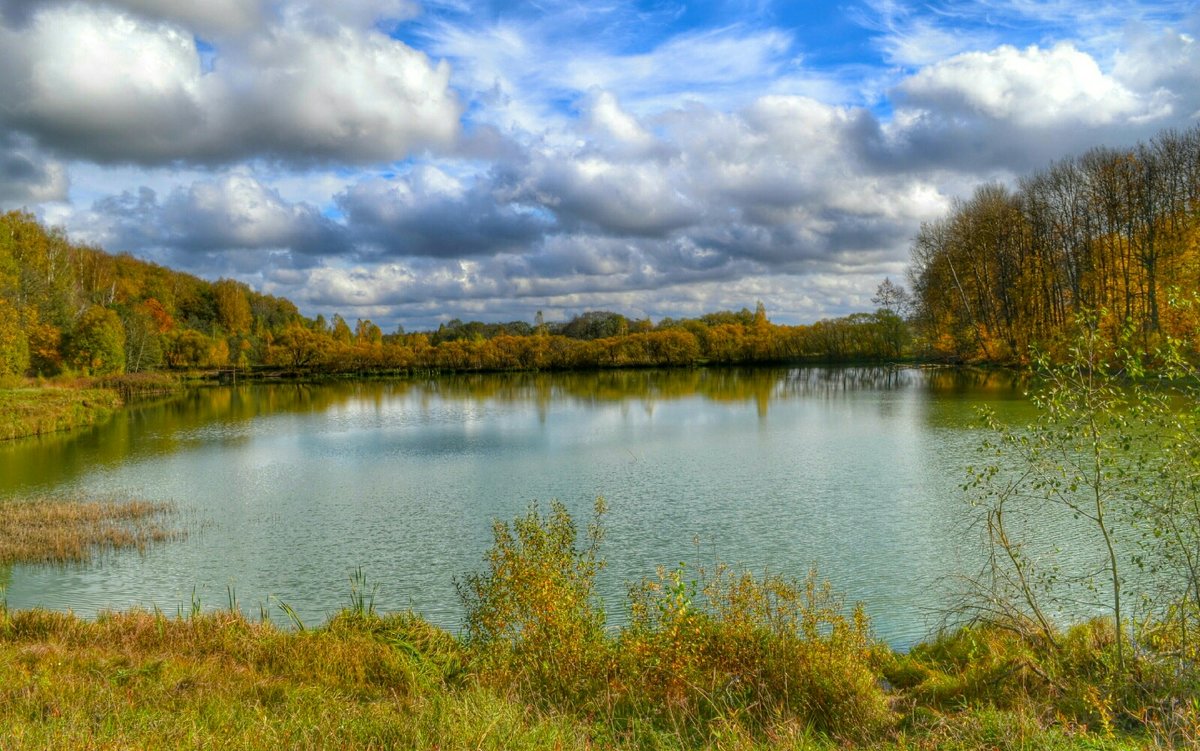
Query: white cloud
{"points": [[614, 197], [1031, 87], [113, 87], [221, 224], [665, 172], [348, 95], [693, 66], [206, 16], [102, 82], [1163, 61], [608, 122]]}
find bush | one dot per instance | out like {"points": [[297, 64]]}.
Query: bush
{"points": [[532, 622], [762, 657], [770, 651]]}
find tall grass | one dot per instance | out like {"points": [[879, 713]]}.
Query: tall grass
{"points": [[763, 657], [61, 531], [131, 386]]}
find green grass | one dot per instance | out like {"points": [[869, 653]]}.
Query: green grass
{"points": [[36, 411], [217, 680]]}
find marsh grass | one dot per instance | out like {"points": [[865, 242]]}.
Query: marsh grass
{"points": [[218, 680], [134, 386], [37, 411], [57, 531]]}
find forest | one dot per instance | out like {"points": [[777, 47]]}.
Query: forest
{"points": [[1115, 231], [67, 309]]}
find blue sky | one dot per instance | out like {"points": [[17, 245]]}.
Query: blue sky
{"points": [[412, 162]]}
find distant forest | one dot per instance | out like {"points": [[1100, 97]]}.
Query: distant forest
{"points": [[1114, 232], [72, 310]]}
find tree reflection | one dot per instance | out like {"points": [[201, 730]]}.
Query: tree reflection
{"points": [[224, 414]]}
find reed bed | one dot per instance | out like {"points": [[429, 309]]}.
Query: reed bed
{"points": [[135, 386], [63, 531]]}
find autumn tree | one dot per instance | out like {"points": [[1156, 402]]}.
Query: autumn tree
{"points": [[893, 298], [14, 346], [341, 330], [1112, 229], [233, 306], [366, 332], [97, 344]]}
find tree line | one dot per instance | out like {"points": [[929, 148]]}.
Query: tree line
{"points": [[72, 309], [1112, 230]]}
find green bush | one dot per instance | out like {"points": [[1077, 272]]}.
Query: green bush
{"points": [[770, 651], [532, 620]]}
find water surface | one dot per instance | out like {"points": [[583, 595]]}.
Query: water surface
{"points": [[285, 489]]}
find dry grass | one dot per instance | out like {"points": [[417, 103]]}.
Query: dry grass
{"points": [[73, 531]]}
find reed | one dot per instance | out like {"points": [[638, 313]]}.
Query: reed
{"points": [[58, 531], [133, 386]]}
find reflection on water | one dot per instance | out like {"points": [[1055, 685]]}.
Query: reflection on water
{"points": [[287, 487]]}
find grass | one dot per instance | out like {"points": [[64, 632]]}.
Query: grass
{"points": [[61, 531], [145, 385], [709, 660], [36, 411], [217, 680]]}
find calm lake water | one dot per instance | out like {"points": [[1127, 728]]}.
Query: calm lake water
{"points": [[285, 489]]}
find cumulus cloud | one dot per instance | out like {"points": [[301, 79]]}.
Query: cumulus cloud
{"points": [[628, 199], [208, 17], [429, 213], [98, 83], [1007, 111], [620, 131], [110, 86], [28, 177], [1163, 61], [423, 296], [221, 18], [562, 158], [1031, 87], [235, 217]]}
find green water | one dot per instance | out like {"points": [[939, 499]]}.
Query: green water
{"points": [[285, 489]]}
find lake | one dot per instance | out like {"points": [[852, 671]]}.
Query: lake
{"points": [[285, 489]]}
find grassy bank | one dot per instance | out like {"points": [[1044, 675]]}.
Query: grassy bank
{"points": [[708, 659], [30, 410], [144, 680]]}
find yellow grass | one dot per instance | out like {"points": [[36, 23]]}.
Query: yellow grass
{"points": [[72, 531]]}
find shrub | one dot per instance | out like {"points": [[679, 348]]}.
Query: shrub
{"points": [[770, 651], [531, 618]]}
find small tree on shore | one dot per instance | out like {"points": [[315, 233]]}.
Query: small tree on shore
{"points": [[1093, 463]]}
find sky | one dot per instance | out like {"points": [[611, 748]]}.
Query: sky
{"points": [[412, 162]]}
